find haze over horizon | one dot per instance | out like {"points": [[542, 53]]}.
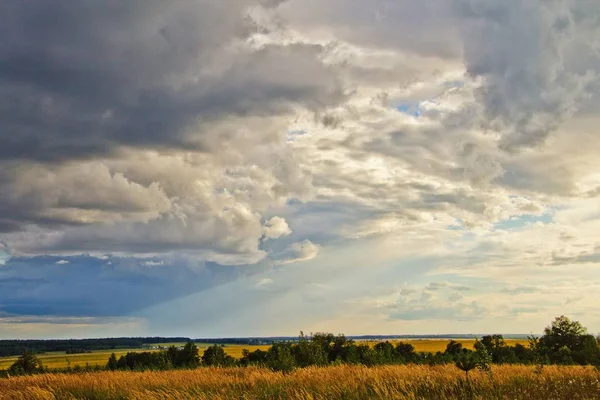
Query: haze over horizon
{"points": [[209, 168]]}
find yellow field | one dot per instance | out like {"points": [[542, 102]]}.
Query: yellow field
{"points": [[340, 382], [59, 360], [435, 345]]}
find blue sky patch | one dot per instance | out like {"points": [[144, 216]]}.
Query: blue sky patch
{"points": [[293, 134], [521, 221], [413, 110]]}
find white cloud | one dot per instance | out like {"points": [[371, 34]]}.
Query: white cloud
{"points": [[153, 263], [275, 228], [296, 252], [264, 282], [402, 114]]}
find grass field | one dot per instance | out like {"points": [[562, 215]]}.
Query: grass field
{"points": [[340, 382], [60, 360]]}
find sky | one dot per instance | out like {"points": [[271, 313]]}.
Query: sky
{"points": [[210, 168]]}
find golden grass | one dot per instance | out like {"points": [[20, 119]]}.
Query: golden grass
{"points": [[340, 382]]}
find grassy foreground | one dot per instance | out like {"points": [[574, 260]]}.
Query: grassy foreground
{"points": [[340, 382]]}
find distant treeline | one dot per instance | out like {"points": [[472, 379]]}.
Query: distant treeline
{"points": [[564, 342], [72, 346], [18, 347]]}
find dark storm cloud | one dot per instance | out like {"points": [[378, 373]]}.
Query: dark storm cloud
{"points": [[524, 53], [79, 79], [45, 286]]}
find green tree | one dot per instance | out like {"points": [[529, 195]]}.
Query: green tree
{"points": [[523, 354], [483, 357], [453, 348], [308, 352], [28, 363], [122, 363], [563, 356], [215, 356], [325, 340], [256, 357], [466, 362], [562, 332], [112, 363], [366, 355], [498, 349], [172, 354], [588, 351], [339, 349], [350, 353], [188, 357], [405, 352], [566, 341], [144, 361], [280, 357], [385, 353]]}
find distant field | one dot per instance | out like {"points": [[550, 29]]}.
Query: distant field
{"points": [[339, 382], [62, 360], [56, 360], [435, 345]]}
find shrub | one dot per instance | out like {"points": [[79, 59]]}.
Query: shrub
{"points": [[26, 364], [215, 356], [280, 358]]}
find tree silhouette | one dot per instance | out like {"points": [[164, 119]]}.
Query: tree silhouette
{"points": [[188, 356], [26, 364], [112, 362], [280, 358], [310, 352], [215, 356], [466, 363]]}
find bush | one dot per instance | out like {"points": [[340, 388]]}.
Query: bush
{"points": [[310, 352], [280, 358], [26, 364], [256, 357], [145, 361], [405, 352], [215, 356], [187, 357]]}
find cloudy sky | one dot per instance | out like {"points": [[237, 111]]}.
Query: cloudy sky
{"points": [[259, 167]]}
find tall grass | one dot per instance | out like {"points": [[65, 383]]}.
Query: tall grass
{"points": [[339, 382]]}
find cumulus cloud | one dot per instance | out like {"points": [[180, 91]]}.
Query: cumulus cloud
{"points": [[521, 51], [275, 228], [74, 195], [428, 306], [142, 76], [156, 131], [462, 132]]}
